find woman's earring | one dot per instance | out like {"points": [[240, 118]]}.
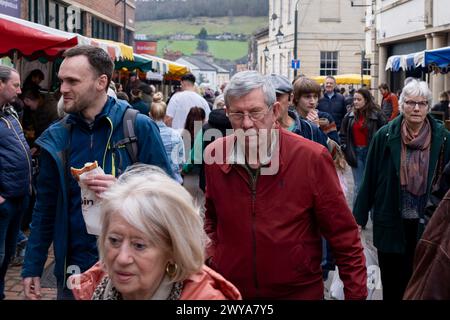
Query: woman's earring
{"points": [[171, 269]]}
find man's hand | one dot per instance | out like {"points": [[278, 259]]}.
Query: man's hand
{"points": [[2, 199], [99, 183], [313, 116], [32, 288]]}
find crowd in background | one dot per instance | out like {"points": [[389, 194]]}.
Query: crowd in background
{"points": [[397, 151]]}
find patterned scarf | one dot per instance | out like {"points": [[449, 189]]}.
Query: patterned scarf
{"points": [[106, 291], [415, 158]]}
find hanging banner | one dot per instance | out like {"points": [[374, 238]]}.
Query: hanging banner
{"points": [[145, 47]]}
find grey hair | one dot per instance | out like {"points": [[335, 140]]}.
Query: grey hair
{"points": [[156, 205], [244, 82], [5, 73], [415, 88]]}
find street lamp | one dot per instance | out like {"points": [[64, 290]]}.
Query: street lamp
{"points": [[279, 36], [266, 53], [295, 35]]}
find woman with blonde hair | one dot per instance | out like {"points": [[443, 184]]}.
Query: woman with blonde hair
{"points": [[151, 245], [173, 143]]}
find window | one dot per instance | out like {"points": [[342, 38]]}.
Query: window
{"points": [[366, 66], [41, 12], [62, 18], [103, 30], [54, 14], [52, 22], [328, 63]]}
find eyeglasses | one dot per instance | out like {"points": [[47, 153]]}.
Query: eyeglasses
{"points": [[412, 104], [254, 115]]}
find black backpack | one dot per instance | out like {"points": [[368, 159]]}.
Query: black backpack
{"points": [[130, 141]]}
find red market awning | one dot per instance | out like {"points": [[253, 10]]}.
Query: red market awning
{"points": [[34, 40]]}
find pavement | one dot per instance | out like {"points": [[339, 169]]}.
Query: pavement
{"points": [[13, 280], [14, 286]]}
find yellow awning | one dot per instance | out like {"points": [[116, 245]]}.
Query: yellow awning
{"points": [[351, 78], [126, 52]]}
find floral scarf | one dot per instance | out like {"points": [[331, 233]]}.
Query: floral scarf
{"points": [[106, 291]]}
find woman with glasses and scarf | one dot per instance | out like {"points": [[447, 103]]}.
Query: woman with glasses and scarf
{"points": [[401, 162]]}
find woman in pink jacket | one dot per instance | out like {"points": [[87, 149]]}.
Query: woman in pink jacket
{"points": [[151, 245]]}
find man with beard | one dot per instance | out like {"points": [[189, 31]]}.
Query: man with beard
{"points": [[269, 197], [91, 131]]}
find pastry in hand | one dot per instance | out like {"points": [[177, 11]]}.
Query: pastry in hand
{"points": [[88, 166]]}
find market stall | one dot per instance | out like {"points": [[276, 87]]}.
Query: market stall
{"points": [[437, 60], [31, 40]]}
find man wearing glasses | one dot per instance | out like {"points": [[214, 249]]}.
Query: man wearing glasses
{"points": [[270, 195]]}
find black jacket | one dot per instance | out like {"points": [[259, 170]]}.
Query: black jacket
{"points": [[376, 121]]}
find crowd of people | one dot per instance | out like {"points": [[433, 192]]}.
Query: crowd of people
{"points": [[270, 156]]}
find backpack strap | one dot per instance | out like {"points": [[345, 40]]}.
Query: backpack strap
{"points": [[130, 141]]}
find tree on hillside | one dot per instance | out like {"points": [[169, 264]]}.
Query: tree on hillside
{"points": [[203, 33], [202, 46]]}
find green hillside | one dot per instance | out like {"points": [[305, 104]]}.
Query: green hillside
{"points": [[219, 25], [228, 50]]}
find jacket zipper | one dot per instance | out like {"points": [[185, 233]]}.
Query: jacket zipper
{"points": [[252, 184], [26, 153]]}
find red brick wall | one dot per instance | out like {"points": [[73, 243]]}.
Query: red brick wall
{"points": [[109, 9]]}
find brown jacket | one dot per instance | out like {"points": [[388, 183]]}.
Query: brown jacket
{"points": [[431, 274]]}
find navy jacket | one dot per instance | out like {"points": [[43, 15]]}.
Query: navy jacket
{"points": [[57, 213], [15, 157], [334, 106]]}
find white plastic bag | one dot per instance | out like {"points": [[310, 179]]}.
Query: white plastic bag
{"points": [[373, 271], [90, 204], [337, 287], [373, 275]]}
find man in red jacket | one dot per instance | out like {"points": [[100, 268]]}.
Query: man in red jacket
{"points": [[270, 196], [389, 104]]}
